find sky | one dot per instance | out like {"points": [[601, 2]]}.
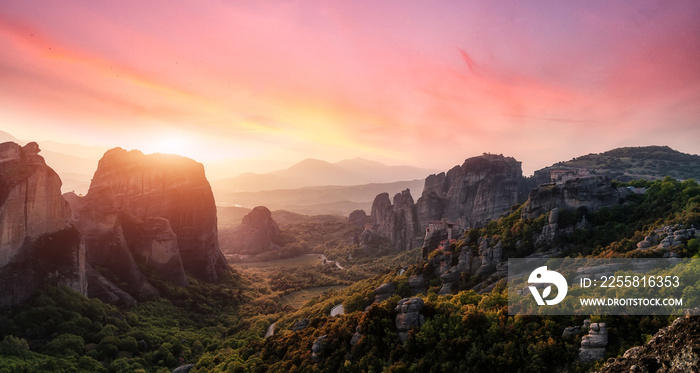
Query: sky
{"points": [[423, 83]]}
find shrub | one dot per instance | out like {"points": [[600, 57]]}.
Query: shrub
{"points": [[65, 345], [13, 346]]}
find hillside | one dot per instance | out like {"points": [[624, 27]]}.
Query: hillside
{"points": [[625, 164]]}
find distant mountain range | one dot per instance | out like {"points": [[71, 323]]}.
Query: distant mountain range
{"points": [[315, 172]]}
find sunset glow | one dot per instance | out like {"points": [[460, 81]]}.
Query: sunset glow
{"points": [[421, 83]]}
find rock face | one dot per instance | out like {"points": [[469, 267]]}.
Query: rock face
{"points": [[592, 193], [417, 284], [258, 233], [667, 236], [97, 218], [486, 265], [169, 187], [594, 343], [484, 187], [153, 242], [675, 348], [398, 221], [37, 242], [408, 316], [384, 292]]}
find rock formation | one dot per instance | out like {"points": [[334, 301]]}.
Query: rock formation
{"points": [[483, 188], [592, 193], [397, 222], [37, 243], [594, 343], [96, 217], [257, 234], [408, 316], [485, 265], [667, 236], [318, 346], [417, 285], [358, 218], [675, 348], [169, 187], [384, 292]]}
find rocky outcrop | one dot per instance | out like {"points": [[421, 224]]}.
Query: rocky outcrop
{"points": [[591, 193], [170, 187], [417, 284], [384, 292], [257, 234], [183, 368], [357, 336], [667, 237], [485, 265], [483, 188], [318, 346], [594, 343], [358, 218], [408, 316], [397, 222], [37, 243], [675, 348]]}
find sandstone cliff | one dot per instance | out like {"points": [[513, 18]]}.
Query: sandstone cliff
{"points": [[484, 187], [258, 233], [37, 243], [169, 187]]}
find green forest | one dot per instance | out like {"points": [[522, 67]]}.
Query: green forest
{"points": [[221, 327]]}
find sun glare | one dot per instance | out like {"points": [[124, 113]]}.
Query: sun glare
{"points": [[169, 145]]}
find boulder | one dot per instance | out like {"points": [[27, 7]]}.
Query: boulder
{"points": [[384, 292], [318, 346], [356, 337], [449, 279], [408, 316], [594, 343], [417, 284], [300, 325], [183, 368]]}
